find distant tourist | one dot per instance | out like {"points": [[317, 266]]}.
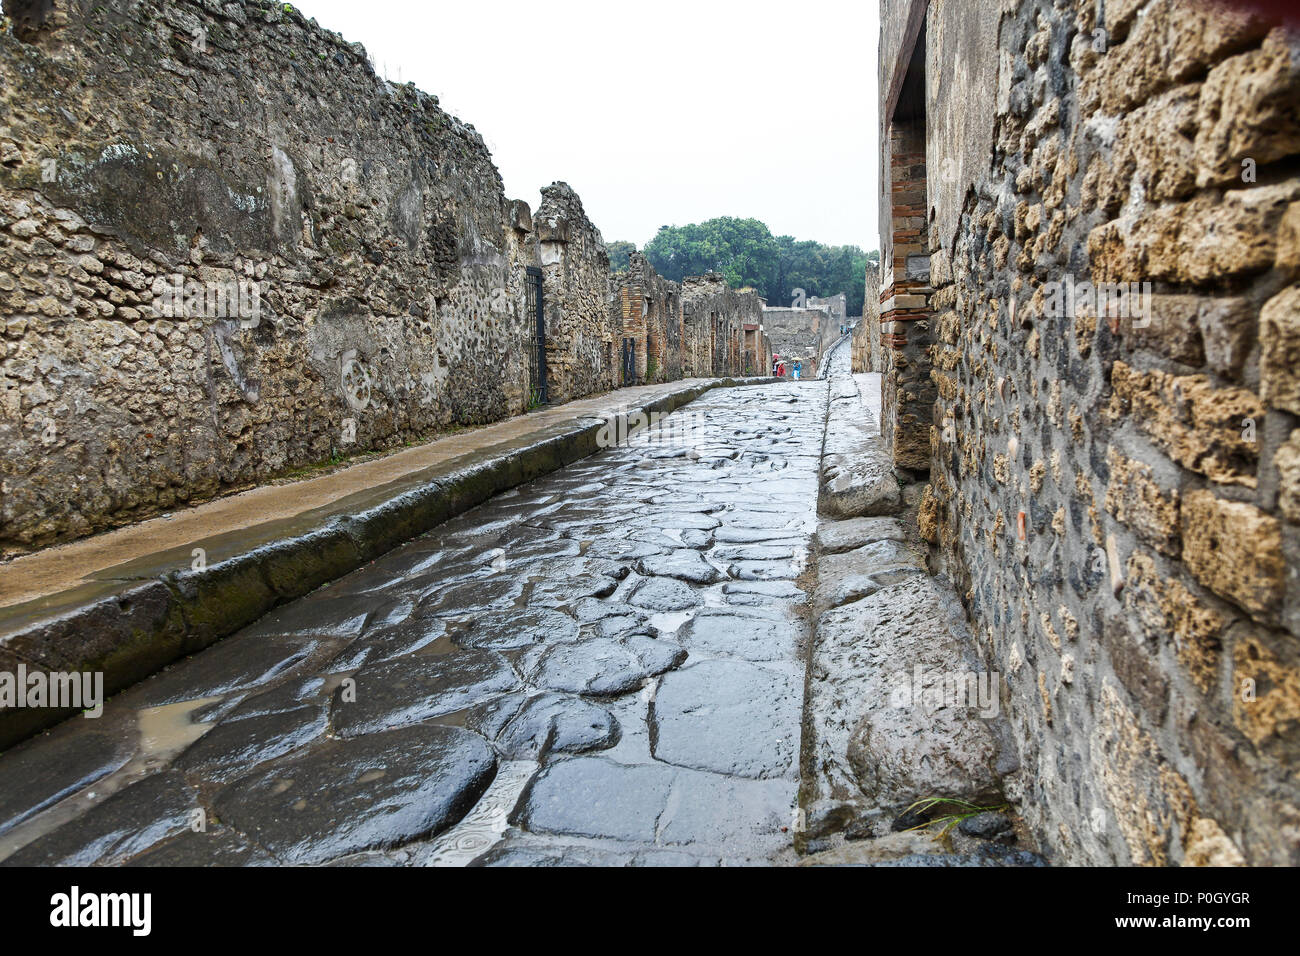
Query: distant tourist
{"points": [[798, 367]]}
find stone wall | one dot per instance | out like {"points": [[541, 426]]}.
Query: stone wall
{"points": [[1115, 486], [155, 154], [716, 318], [836, 306], [647, 313], [575, 270], [867, 356], [229, 251], [700, 328], [796, 334]]}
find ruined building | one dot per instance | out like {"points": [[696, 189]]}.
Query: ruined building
{"points": [[867, 355], [805, 333], [724, 328], [197, 305], [1089, 328]]}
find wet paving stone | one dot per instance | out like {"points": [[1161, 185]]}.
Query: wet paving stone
{"points": [[551, 723], [218, 846], [599, 667], [834, 537], [682, 564], [603, 667], [686, 519], [386, 643], [517, 854], [594, 797], [765, 570], [729, 633], [731, 717], [241, 661], [757, 813], [608, 619], [664, 594], [473, 596], [568, 592], [774, 590], [509, 630], [345, 796], [41, 772], [417, 687], [288, 695], [231, 748], [331, 616], [126, 823]]}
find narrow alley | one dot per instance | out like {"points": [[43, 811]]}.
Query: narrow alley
{"points": [[608, 660]]}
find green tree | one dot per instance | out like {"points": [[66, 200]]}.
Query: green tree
{"points": [[743, 250], [620, 252], [747, 253]]}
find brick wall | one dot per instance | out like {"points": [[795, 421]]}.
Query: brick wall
{"points": [[905, 314]]}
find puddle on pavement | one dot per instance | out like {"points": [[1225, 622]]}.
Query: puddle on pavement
{"points": [[167, 730], [483, 826], [163, 731], [459, 718], [669, 622]]}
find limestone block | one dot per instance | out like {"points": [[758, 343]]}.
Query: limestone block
{"points": [[1199, 426], [1235, 550], [1265, 691], [1248, 111], [1135, 498], [1279, 335]]}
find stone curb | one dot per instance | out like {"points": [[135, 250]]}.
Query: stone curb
{"points": [[132, 625], [857, 478]]}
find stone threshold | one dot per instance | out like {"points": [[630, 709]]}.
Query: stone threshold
{"points": [[128, 602]]}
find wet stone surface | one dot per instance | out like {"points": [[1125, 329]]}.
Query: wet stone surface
{"points": [[600, 667]]}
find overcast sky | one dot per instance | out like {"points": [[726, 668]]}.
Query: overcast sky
{"points": [[660, 113]]}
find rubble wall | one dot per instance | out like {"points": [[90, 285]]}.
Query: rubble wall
{"points": [[228, 250], [1115, 481]]}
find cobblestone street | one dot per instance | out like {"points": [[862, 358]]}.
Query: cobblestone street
{"points": [[602, 666], [403, 470]]}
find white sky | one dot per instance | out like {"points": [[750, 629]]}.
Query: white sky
{"points": [[658, 113]]}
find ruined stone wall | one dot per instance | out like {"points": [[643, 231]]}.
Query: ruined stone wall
{"points": [[697, 344], [575, 271], [1115, 488], [647, 311], [836, 306], [233, 146], [717, 316], [797, 334], [700, 328], [867, 355]]}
